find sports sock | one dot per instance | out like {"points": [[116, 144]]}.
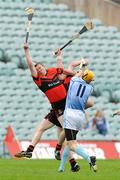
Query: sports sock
{"points": [[80, 151], [64, 158], [58, 147], [72, 162], [30, 148]]}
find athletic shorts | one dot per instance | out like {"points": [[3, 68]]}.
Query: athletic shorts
{"points": [[70, 134], [73, 119], [53, 115]]}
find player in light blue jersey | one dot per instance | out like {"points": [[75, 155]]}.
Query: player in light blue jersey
{"points": [[78, 95]]}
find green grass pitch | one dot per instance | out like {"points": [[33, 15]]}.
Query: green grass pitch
{"points": [[11, 169]]}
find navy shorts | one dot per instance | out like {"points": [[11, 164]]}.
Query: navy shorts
{"points": [[53, 115], [70, 134]]}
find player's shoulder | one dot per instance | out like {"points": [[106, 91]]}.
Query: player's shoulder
{"points": [[75, 78], [52, 70]]}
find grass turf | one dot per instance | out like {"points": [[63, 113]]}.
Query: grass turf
{"points": [[47, 170]]}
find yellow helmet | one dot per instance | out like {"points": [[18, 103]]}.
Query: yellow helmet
{"points": [[88, 75]]}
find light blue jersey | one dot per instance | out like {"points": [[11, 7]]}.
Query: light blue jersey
{"points": [[78, 94], [74, 116]]}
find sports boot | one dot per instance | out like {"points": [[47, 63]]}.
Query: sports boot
{"points": [[23, 154]]}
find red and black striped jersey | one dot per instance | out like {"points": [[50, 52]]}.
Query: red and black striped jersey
{"points": [[53, 88], [66, 82]]}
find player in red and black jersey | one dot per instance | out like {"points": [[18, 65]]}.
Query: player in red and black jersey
{"points": [[54, 83], [51, 85]]}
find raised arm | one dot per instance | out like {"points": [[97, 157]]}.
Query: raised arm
{"points": [[83, 63], [68, 72], [59, 59], [60, 65], [29, 60]]}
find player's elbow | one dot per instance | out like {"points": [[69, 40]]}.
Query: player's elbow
{"points": [[90, 103]]}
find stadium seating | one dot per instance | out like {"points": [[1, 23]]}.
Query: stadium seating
{"points": [[21, 103]]}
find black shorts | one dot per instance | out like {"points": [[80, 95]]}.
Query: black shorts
{"points": [[70, 134], [53, 115]]}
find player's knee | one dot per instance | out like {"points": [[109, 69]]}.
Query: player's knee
{"points": [[41, 129], [72, 145]]}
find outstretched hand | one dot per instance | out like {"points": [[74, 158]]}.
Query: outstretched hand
{"points": [[58, 52], [26, 45], [83, 63]]}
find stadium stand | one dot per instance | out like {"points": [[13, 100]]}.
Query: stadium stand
{"points": [[21, 103]]}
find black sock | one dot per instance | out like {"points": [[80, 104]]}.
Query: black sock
{"points": [[30, 148], [58, 147], [72, 162]]}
